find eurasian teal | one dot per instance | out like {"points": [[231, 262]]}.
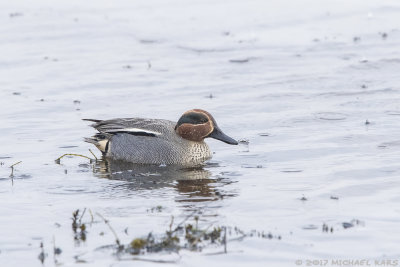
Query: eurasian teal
{"points": [[156, 141]]}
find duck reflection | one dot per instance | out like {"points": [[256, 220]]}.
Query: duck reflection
{"points": [[193, 184]]}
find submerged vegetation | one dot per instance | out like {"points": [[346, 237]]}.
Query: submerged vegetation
{"points": [[188, 235]]}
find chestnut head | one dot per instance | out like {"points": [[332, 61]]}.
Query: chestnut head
{"points": [[197, 124]]}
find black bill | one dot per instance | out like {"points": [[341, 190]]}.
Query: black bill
{"points": [[219, 135]]}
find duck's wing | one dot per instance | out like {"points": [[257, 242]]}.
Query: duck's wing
{"points": [[133, 126]]}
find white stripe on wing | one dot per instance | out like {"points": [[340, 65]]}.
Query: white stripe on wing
{"points": [[133, 130]]}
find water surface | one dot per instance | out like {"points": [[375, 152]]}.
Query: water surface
{"points": [[311, 89]]}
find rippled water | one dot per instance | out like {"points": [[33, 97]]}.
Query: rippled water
{"points": [[311, 89]]}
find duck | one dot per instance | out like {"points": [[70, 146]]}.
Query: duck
{"points": [[158, 141]]}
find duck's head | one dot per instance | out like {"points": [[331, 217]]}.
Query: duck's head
{"points": [[197, 124]]}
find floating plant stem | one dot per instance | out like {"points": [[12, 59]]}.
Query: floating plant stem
{"points": [[224, 240], [15, 164], [75, 155], [112, 229], [91, 217], [172, 222], [93, 154], [83, 213], [184, 220], [12, 168]]}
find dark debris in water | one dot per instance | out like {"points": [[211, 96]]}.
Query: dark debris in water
{"points": [[310, 227], [244, 60], [326, 228], [231, 173], [84, 165], [251, 166], [391, 144], [393, 112], [244, 141], [303, 198], [15, 14], [57, 251], [331, 116], [352, 223], [291, 170], [67, 146], [51, 59], [347, 225], [23, 176], [42, 255], [148, 41], [330, 228], [158, 208], [383, 35]]}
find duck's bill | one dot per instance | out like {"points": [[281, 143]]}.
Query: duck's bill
{"points": [[219, 135]]}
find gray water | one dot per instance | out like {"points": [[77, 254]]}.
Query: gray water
{"points": [[313, 86]]}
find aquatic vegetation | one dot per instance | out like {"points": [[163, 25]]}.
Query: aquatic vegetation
{"points": [[158, 208], [12, 168], [78, 227], [58, 160], [189, 235], [42, 255], [326, 228]]}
